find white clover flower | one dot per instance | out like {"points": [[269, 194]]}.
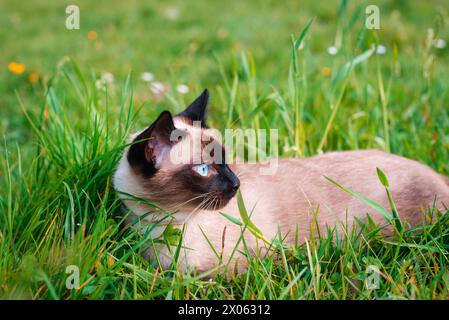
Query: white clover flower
{"points": [[380, 49], [100, 84], [439, 43], [182, 89], [157, 87], [332, 50], [171, 13], [147, 76], [107, 77]]}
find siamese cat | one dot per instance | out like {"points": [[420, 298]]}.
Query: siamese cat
{"points": [[190, 193]]}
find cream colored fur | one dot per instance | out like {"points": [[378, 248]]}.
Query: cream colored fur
{"points": [[289, 199]]}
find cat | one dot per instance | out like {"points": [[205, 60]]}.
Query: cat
{"points": [[190, 195]]}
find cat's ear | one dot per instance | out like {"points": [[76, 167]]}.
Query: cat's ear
{"points": [[153, 144], [196, 111]]}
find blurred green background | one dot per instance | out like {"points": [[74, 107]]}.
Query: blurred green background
{"points": [[179, 42]]}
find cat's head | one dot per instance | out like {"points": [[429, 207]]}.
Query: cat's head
{"points": [[177, 163]]}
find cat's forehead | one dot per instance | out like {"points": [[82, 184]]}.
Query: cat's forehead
{"points": [[194, 129]]}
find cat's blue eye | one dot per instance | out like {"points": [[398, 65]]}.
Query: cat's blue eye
{"points": [[202, 169]]}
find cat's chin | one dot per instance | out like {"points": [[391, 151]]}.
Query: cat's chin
{"points": [[215, 207], [221, 202], [215, 203]]}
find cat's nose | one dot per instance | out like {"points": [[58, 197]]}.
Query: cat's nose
{"points": [[235, 185]]}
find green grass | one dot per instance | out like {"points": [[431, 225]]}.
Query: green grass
{"points": [[63, 136]]}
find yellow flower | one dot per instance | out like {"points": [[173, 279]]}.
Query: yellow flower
{"points": [[16, 68], [110, 261], [92, 35], [33, 77], [326, 71]]}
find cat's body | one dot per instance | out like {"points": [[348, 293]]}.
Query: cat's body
{"points": [[288, 202]]}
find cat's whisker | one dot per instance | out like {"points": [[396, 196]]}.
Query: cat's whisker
{"points": [[198, 207], [218, 203], [204, 195], [210, 203]]}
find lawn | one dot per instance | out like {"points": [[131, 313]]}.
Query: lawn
{"points": [[68, 99]]}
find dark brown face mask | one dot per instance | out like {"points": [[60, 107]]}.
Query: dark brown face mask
{"points": [[148, 145], [155, 142]]}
